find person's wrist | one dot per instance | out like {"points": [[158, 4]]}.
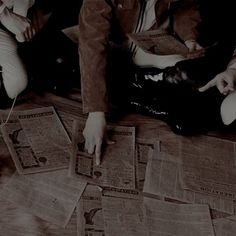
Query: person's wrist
{"points": [[99, 114]]}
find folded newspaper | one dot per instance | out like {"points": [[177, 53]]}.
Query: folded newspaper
{"points": [[158, 42]]}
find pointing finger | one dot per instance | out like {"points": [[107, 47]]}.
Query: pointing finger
{"points": [[209, 85]]}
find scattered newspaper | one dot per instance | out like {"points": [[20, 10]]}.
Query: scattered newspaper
{"points": [[143, 149], [67, 121], [165, 218], [72, 33], [209, 168], [51, 196], [121, 193], [37, 140], [162, 179], [123, 217], [89, 212], [158, 42], [16, 221], [69, 230], [117, 168], [154, 217], [224, 227]]}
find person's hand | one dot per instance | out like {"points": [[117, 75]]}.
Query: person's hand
{"points": [[192, 45], [18, 25], [225, 82], [95, 133], [195, 50]]}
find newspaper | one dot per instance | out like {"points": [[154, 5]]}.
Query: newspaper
{"points": [[224, 227], [154, 217], [123, 217], [143, 148], [162, 179], [118, 163], [89, 212], [165, 218], [158, 42], [67, 121], [51, 196], [72, 33], [209, 168], [16, 221], [37, 141]]}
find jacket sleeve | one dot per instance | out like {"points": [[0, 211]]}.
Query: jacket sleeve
{"points": [[94, 29], [186, 20]]}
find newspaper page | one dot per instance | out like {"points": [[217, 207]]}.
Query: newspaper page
{"points": [[143, 149], [16, 221], [123, 217], [67, 121], [162, 179], [158, 42], [51, 196], [154, 217], [72, 33], [209, 167], [69, 230], [37, 141], [118, 160], [89, 212], [165, 218], [224, 227], [121, 193]]}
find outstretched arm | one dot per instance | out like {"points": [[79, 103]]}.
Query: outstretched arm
{"points": [[94, 30], [225, 81]]}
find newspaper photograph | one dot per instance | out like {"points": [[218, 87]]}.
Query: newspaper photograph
{"points": [[162, 179], [158, 42], [165, 218], [89, 212], [37, 140], [212, 174], [117, 168], [52, 196]]}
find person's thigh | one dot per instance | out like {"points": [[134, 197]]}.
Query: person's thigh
{"points": [[13, 72]]}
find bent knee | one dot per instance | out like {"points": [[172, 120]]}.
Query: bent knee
{"points": [[15, 83], [228, 109]]}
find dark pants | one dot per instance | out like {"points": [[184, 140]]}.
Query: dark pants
{"points": [[181, 105], [51, 58]]}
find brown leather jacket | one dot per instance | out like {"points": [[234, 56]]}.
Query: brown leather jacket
{"points": [[97, 21]]}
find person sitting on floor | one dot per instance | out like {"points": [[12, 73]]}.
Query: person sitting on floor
{"points": [[226, 84], [105, 23], [15, 26]]}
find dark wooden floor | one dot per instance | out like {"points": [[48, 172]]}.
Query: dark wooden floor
{"points": [[71, 105]]}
